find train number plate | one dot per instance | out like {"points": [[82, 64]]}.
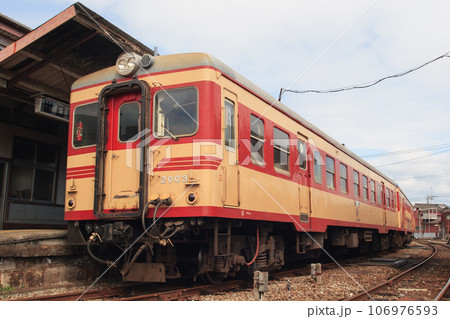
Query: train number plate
{"points": [[174, 179]]}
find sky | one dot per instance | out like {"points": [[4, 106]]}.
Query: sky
{"points": [[318, 45]]}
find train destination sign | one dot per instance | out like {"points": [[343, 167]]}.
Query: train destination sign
{"points": [[52, 108]]}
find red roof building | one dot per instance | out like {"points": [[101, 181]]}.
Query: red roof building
{"points": [[432, 221]]}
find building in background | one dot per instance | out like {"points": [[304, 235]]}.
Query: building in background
{"points": [[37, 69], [432, 221]]}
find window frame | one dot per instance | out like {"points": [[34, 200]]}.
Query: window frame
{"points": [[155, 116], [138, 121], [373, 195], [379, 194], [388, 199], [392, 200], [317, 163], [280, 148], [332, 173], [35, 166], [253, 120], [343, 167], [356, 184], [74, 125], [301, 155], [232, 130], [365, 187]]}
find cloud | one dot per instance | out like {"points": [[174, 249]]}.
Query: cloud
{"points": [[324, 44], [273, 44]]}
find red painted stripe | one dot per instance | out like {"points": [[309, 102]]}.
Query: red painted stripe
{"points": [[79, 215], [195, 158], [318, 224], [186, 164], [80, 172], [184, 168], [90, 171], [80, 176], [81, 168]]}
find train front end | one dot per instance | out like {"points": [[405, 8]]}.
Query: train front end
{"points": [[143, 159]]}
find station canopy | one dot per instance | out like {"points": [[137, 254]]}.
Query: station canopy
{"points": [[47, 60]]}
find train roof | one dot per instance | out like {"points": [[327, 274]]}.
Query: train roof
{"points": [[172, 62]]}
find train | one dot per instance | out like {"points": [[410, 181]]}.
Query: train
{"points": [[179, 166]]}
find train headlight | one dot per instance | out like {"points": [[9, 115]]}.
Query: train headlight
{"points": [[71, 203], [192, 198], [127, 63]]}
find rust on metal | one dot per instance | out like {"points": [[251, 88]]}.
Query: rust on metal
{"points": [[366, 294]]}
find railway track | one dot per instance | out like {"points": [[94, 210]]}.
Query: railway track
{"points": [[408, 286], [282, 279], [134, 292], [130, 293]]}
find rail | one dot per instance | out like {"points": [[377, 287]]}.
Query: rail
{"points": [[366, 294]]}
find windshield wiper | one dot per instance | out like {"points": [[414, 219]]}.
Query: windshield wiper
{"points": [[170, 133]]}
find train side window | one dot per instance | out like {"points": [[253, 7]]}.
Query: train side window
{"points": [[280, 150], [331, 181], [343, 178], [388, 199], [392, 199], [379, 193], [301, 147], [129, 122], [365, 187], [85, 125], [372, 191], [230, 139], [356, 190], [317, 167], [257, 140]]}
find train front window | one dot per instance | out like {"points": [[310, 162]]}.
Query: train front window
{"points": [[129, 122], [85, 125], [176, 113]]}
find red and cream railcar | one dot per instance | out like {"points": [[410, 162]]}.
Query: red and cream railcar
{"points": [[194, 170]]}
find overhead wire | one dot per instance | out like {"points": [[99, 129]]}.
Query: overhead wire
{"points": [[422, 177], [413, 159], [367, 84], [427, 148]]}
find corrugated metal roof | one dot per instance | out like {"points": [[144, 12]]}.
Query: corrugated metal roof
{"points": [[72, 44]]}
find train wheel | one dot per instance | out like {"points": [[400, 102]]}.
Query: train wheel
{"points": [[212, 277]]}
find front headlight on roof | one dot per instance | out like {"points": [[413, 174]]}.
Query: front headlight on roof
{"points": [[127, 63]]}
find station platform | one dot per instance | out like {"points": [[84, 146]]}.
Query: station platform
{"points": [[35, 243], [42, 257], [25, 235]]}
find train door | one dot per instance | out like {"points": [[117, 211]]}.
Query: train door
{"points": [[230, 150], [304, 190], [120, 170]]}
